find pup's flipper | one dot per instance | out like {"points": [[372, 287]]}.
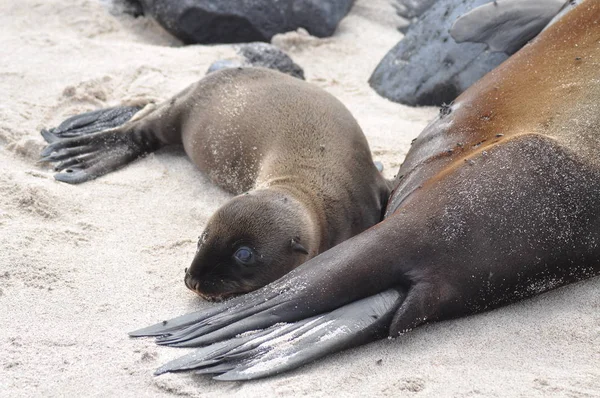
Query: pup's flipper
{"points": [[90, 122], [92, 144]]}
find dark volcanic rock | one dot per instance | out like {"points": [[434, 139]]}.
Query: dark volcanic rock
{"points": [[263, 55], [506, 26], [242, 21], [131, 7], [427, 67], [412, 8]]}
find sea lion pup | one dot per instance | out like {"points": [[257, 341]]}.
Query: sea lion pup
{"points": [[292, 152], [497, 200]]}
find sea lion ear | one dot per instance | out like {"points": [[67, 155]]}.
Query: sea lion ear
{"points": [[297, 247]]}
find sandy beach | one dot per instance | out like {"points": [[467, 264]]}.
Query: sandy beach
{"points": [[82, 265]]}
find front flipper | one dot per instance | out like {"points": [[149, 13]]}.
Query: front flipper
{"points": [[92, 144], [288, 299], [287, 346], [330, 289], [256, 313], [505, 25]]}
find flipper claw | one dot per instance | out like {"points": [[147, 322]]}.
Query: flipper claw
{"points": [[74, 176], [48, 136]]}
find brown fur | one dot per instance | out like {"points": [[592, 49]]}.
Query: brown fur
{"points": [[281, 139], [543, 89], [295, 150]]}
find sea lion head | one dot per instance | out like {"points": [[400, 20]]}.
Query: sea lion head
{"points": [[251, 241]]}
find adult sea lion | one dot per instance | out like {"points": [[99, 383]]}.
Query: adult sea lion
{"points": [[497, 200], [294, 154]]}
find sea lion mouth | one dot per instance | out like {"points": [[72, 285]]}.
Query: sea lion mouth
{"points": [[214, 290], [213, 299]]}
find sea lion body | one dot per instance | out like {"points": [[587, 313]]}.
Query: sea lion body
{"points": [[497, 200], [518, 152], [293, 154]]}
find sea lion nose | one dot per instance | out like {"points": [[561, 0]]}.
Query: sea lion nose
{"points": [[191, 282]]}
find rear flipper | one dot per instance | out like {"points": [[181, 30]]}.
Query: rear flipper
{"points": [[95, 143], [287, 346], [90, 122]]}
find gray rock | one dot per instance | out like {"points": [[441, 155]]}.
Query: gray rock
{"points": [[412, 8], [427, 67], [131, 7], [568, 7], [243, 21], [263, 55], [505, 25]]}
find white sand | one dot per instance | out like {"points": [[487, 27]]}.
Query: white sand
{"points": [[82, 265]]}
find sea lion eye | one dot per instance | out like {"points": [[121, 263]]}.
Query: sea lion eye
{"points": [[244, 255]]}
